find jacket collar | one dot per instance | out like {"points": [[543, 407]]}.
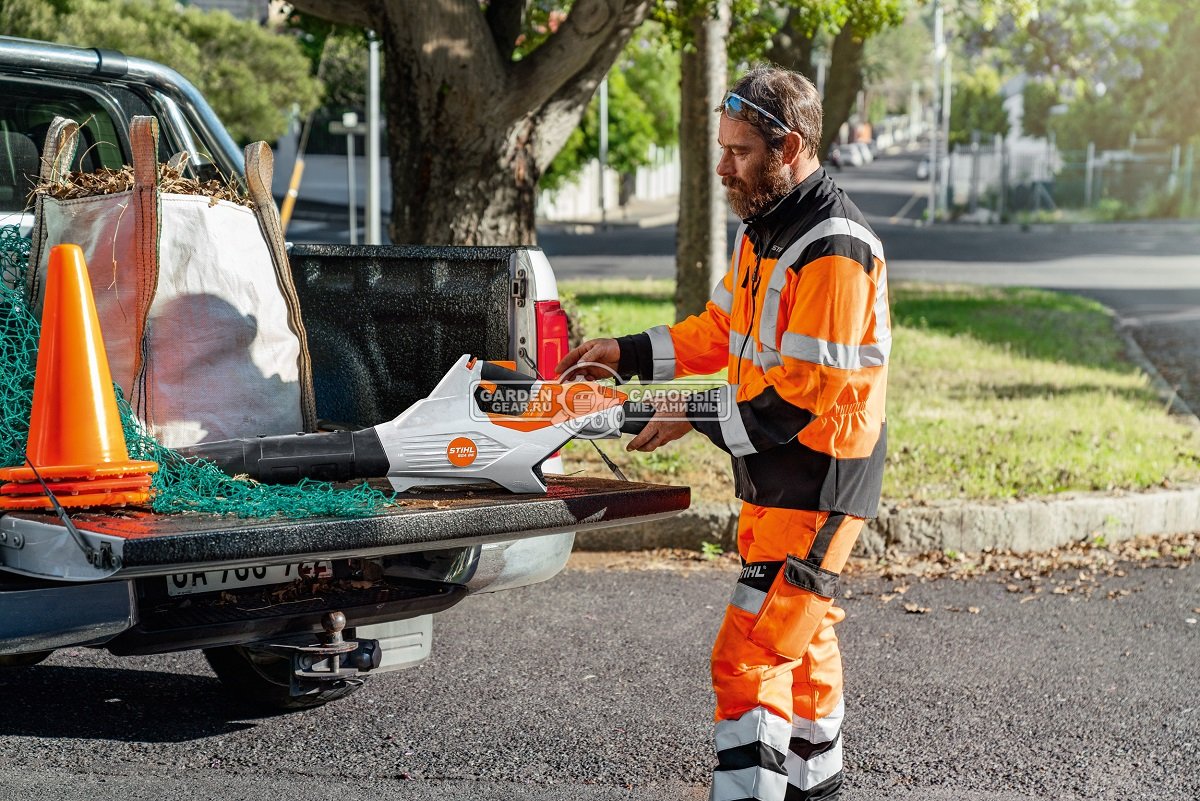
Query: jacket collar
{"points": [[765, 225]]}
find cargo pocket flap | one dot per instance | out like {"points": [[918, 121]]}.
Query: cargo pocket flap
{"points": [[807, 576]]}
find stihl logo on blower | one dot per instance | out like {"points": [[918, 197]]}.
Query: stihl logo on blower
{"points": [[482, 423], [461, 452]]}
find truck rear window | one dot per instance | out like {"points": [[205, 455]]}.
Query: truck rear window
{"points": [[25, 116]]}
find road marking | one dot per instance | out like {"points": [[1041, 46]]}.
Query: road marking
{"points": [[895, 218]]}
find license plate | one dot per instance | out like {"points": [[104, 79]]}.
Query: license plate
{"points": [[238, 577]]}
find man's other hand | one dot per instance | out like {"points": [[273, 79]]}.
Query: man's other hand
{"points": [[667, 425], [596, 359]]}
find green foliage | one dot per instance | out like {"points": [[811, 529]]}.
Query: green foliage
{"points": [[1106, 120], [251, 76], [711, 550], [637, 117], [1039, 96], [651, 69], [338, 56], [893, 60], [978, 105], [1118, 64]]}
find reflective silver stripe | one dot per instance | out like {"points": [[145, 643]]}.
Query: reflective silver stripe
{"points": [[759, 725], [737, 252], [834, 354], [757, 783], [768, 329], [834, 226], [737, 341], [808, 773], [823, 729], [766, 358], [747, 598], [733, 429], [769, 358], [768, 325], [662, 350], [882, 318], [722, 297]]}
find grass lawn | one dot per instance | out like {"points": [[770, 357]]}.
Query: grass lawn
{"points": [[993, 393]]}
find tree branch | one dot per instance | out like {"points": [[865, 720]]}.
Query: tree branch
{"points": [[583, 48], [505, 18], [344, 12]]}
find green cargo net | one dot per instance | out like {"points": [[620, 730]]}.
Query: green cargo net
{"points": [[180, 485]]}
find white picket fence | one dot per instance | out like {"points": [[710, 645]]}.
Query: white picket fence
{"points": [[580, 199]]}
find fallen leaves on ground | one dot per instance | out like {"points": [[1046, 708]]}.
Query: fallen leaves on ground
{"points": [[1076, 569]]}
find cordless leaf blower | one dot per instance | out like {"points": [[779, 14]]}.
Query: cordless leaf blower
{"points": [[482, 423]]}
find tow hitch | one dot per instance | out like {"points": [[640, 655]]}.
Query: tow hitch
{"points": [[332, 660]]}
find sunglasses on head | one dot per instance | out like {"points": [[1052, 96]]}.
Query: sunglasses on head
{"points": [[735, 107]]}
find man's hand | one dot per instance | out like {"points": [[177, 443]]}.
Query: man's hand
{"points": [[668, 424], [596, 359]]}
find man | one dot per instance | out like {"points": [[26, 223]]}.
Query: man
{"points": [[801, 323]]}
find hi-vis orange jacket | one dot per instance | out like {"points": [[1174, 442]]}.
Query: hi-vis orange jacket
{"points": [[801, 322]]}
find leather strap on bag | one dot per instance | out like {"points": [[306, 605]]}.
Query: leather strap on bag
{"points": [[58, 152], [143, 135], [260, 166]]}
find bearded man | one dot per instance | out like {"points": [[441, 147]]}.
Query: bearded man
{"points": [[801, 323]]}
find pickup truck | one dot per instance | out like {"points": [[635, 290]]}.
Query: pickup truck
{"points": [[384, 324]]}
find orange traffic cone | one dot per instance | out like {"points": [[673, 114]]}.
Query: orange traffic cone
{"points": [[75, 429]]}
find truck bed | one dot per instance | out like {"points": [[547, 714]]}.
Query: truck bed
{"points": [[145, 543]]}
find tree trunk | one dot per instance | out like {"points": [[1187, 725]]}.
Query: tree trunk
{"points": [[843, 83], [471, 127], [792, 47], [700, 245], [460, 174]]}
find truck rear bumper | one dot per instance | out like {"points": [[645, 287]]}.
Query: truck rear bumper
{"points": [[45, 618]]}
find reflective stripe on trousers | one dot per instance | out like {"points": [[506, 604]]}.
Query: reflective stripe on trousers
{"points": [[778, 731]]}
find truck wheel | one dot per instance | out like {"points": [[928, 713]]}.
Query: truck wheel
{"points": [[23, 660], [263, 679]]}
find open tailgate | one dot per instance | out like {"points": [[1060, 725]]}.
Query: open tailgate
{"points": [[145, 544]]}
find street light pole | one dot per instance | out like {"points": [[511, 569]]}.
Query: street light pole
{"points": [[939, 52], [947, 94], [603, 151], [373, 232]]}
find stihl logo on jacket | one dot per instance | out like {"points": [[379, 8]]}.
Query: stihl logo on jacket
{"points": [[801, 324]]}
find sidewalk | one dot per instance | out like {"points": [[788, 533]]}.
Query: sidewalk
{"points": [[637, 213]]}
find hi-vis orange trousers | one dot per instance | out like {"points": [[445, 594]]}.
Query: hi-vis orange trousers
{"points": [[776, 667]]}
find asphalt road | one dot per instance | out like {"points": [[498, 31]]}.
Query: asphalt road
{"points": [[594, 686]]}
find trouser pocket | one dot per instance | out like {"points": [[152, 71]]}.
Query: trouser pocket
{"points": [[791, 613]]}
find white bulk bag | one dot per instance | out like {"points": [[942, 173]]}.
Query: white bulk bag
{"points": [[195, 297]]}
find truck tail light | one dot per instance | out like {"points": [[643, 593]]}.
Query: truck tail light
{"points": [[551, 336]]}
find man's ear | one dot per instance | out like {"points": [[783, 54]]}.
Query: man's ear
{"points": [[793, 146]]}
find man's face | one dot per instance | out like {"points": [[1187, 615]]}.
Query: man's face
{"points": [[754, 175]]}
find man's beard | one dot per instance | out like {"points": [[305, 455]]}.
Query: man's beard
{"points": [[773, 183]]}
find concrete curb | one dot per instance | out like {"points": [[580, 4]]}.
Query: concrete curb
{"points": [[1120, 226], [588, 227], [1034, 525]]}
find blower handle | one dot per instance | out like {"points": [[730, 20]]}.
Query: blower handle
{"points": [[637, 415]]}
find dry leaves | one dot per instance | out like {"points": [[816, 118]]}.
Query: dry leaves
{"points": [[107, 181], [1076, 569]]}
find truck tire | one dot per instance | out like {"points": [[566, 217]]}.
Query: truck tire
{"points": [[262, 679], [23, 660]]}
